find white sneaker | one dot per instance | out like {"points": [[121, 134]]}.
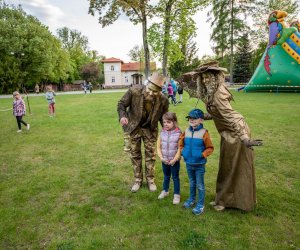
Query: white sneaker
{"points": [[152, 187], [28, 126], [136, 186], [19, 131], [163, 194], [176, 199]]}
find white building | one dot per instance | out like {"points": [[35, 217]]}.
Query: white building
{"points": [[118, 74]]}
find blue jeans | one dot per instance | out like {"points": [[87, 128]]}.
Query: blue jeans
{"points": [[196, 178], [174, 171]]}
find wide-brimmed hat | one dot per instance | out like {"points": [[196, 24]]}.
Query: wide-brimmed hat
{"points": [[210, 66], [156, 81]]}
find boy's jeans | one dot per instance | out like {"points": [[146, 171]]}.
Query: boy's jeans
{"points": [[174, 171], [196, 178]]}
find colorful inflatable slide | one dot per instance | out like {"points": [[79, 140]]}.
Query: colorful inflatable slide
{"points": [[279, 68]]}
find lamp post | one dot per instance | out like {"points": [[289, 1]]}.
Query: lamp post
{"points": [[19, 55]]}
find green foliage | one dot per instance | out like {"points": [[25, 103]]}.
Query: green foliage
{"points": [[228, 20], [170, 37], [90, 72], [65, 183], [29, 52], [138, 11], [136, 54], [76, 45], [241, 68]]}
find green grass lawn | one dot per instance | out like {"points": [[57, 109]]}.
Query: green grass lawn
{"points": [[65, 183]]}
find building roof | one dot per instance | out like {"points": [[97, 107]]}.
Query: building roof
{"points": [[136, 66], [112, 59]]}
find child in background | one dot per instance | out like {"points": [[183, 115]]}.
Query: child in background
{"points": [[196, 147], [19, 110], [51, 101], [169, 153]]}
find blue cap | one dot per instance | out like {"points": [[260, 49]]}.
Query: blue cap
{"points": [[196, 114]]}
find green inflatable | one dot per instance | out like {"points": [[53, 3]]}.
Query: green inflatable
{"points": [[279, 68]]}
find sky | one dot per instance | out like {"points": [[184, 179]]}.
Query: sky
{"points": [[115, 40]]}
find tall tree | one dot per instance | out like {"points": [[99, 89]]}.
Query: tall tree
{"points": [[76, 45], [136, 54], [138, 11], [229, 24], [241, 70], [169, 37], [29, 53]]}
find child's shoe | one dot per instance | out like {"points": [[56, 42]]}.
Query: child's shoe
{"points": [[136, 186], [19, 131], [163, 194], [188, 203], [199, 209], [28, 126], [176, 199]]}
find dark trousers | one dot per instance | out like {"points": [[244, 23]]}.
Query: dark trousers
{"points": [[19, 121], [174, 172]]}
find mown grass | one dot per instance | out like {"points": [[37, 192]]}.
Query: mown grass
{"points": [[65, 183]]}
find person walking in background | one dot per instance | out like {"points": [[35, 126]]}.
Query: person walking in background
{"points": [[180, 92], [171, 94], [196, 146], [50, 96], [174, 86], [165, 89], [169, 154], [19, 110], [90, 87], [37, 89]]}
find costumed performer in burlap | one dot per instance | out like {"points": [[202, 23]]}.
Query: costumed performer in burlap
{"points": [[140, 110], [235, 187]]}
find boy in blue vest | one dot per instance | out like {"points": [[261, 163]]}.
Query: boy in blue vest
{"points": [[196, 147]]}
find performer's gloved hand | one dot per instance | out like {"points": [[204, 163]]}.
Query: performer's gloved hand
{"points": [[249, 143], [207, 116]]}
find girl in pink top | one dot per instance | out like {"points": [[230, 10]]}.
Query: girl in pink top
{"points": [[19, 110]]}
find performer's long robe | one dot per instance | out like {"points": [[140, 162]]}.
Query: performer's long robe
{"points": [[236, 177]]}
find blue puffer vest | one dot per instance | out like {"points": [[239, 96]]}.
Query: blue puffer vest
{"points": [[194, 146], [169, 143]]}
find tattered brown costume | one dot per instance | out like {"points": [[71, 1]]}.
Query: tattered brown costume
{"points": [[143, 111], [236, 177]]}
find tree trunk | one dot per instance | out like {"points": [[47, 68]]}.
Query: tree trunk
{"points": [[166, 37], [231, 43], [145, 44]]}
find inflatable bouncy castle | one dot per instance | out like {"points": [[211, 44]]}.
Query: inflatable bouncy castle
{"points": [[279, 68]]}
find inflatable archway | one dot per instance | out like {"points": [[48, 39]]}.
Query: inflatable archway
{"points": [[279, 68]]}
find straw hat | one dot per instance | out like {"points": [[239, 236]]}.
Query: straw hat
{"points": [[211, 66], [156, 81]]}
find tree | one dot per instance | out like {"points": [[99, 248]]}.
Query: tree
{"points": [[241, 70], [228, 19], [136, 10], [169, 38], [76, 45], [90, 72], [29, 53], [188, 62], [137, 54]]}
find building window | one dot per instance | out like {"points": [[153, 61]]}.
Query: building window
{"points": [[113, 79], [112, 68], [126, 79]]}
